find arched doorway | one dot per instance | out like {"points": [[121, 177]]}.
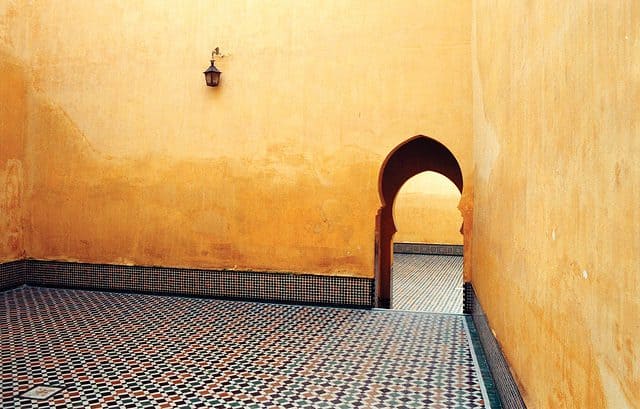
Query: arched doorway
{"points": [[416, 155]]}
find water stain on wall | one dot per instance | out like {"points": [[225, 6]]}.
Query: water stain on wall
{"points": [[199, 213]]}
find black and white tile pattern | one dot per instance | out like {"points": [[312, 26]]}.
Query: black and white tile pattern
{"points": [[427, 283], [228, 284], [12, 274], [432, 249]]}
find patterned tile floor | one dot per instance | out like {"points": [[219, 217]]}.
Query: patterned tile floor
{"points": [[129, 350], [427, 283]]}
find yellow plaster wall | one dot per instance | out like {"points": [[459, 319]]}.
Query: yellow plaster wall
{"points": [[426, 211], [12, 131], [13, 125], [132, 159], [556, 236]]}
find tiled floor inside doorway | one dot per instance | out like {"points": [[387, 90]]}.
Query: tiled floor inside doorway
{"points": [[129, 351], [427, 283]]}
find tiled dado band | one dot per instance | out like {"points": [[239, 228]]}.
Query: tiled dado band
{"points": [[505, 384], [434, 249], [12, 274], [238, 285]]}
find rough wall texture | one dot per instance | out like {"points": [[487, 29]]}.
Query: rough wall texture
{"points": [[556, 233], [426, 211], [132, 159], [13, 130], [13, 119]]}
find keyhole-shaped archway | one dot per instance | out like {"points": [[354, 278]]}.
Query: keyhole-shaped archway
{"points": [[416, 155]]}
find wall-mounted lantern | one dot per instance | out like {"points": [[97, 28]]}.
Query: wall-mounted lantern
{"points": [[212, 74]]}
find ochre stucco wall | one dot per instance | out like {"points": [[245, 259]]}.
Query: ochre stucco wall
{"points": [[13, 120], [14, 95], [557, 187], [14, 86], [132, 159], [426, 211]]}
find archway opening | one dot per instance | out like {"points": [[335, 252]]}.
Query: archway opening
{"points": [[427, 248], [416, 155]]}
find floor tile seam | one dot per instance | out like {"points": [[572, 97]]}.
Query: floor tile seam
{"points": [[476, 366]]}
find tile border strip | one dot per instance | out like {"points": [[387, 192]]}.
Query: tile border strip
{"points": [[433, 249], [468, 298], [12, 274], [506, 386], [291, 288], [480, 361]]}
